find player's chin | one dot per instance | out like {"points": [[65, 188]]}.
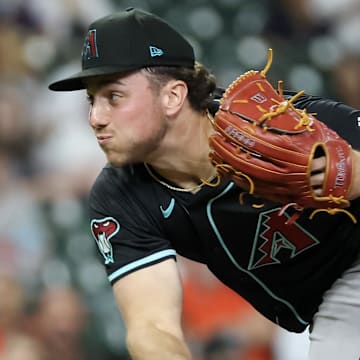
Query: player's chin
{"points": [[119, 159], [116, 162]]}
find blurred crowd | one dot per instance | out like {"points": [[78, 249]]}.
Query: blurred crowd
{"points": [[55, 301]]}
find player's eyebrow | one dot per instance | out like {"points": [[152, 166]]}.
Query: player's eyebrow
{"points": [[105, 81], [94, 84], [111, 81]]}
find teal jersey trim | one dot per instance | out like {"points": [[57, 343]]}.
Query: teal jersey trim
{"points": [[235, 263], [138, 263]]}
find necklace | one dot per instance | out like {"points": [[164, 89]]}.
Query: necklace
{"points": [[193, 189]]}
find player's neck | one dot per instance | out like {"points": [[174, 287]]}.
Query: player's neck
{"points": [[186, 161]]}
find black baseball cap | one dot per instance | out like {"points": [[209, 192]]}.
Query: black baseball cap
{"points": [[128, 40]]}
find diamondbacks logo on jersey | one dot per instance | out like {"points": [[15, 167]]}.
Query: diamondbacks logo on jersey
{"points": [[273, 235], [90, 50], [103, 230]]}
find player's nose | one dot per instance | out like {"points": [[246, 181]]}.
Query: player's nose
{"points": [[97, 116]]}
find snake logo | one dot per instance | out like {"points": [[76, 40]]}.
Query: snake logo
{"points": [[103, 230]]}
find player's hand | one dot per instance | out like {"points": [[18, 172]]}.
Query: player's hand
{"points": [[318, 175], [355, 184]]}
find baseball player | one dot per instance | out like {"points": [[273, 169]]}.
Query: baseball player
{"points": [[151, 109]]}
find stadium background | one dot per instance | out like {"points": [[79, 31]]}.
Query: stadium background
{"points": [[48, 157]]}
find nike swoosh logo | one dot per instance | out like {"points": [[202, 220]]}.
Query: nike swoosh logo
{"points": [[168, 211]]}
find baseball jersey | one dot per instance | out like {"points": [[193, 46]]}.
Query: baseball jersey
{"points": [[282, 269]]}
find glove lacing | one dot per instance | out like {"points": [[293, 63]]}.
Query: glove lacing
{"points": [[304, 121]]}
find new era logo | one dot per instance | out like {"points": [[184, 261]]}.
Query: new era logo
{"points": [[154, 51]]}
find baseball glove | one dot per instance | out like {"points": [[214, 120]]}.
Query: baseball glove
{"points": [[267, 146]]}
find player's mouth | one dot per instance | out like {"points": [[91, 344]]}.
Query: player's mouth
{"points": [[103, 139]]}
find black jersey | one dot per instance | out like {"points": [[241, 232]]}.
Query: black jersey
{"points": [[281, 269]]}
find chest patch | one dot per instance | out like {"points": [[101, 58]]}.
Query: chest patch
{"points": [[273, 235]]}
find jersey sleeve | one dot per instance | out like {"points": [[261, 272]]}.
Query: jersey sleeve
{"points": [[127, 233]]}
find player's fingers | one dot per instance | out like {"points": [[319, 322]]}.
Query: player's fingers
{"points": [[317, 177], [318, 165], [316, 181]]}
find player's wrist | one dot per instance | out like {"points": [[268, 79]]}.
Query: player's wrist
{"points": [[354, 192]]}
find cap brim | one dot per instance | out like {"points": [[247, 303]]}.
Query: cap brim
{"points": [[77, 81]]}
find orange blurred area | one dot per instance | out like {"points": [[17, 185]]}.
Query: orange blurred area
{"points": [[211, 310]]}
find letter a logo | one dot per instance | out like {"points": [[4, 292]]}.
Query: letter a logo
{"points": [[90, 50], [273, 236]]}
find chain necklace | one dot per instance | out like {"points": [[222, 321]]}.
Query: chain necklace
{"points": [[193, 189]]}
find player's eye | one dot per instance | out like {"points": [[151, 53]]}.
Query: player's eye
{"points": [[114, 96]]}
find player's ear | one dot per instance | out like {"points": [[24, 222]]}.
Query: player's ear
{"points": [[173, 96]]}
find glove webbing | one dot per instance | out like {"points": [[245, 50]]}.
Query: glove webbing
{"points": [[305, 121], [282, 107]]}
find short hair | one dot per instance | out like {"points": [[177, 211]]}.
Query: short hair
{"points": [[200, 81]]}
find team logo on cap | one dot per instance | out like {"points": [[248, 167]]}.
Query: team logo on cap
{"points": [[90, 50], [155, 51]]}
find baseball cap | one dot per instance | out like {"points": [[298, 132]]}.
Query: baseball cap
{"points": [[128, 40]]}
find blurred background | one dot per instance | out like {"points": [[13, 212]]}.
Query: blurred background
{"points": [[55, 301]]}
